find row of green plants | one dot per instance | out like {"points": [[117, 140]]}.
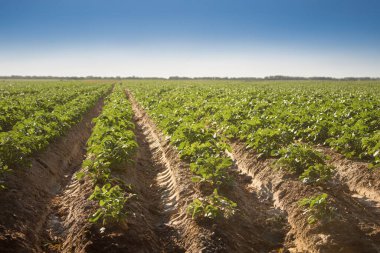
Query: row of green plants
{"points": [[318, 208], [32, 135], [268, 116], [16, 107], [267, 120], [19, 87], [311, 167], [111, 146]]}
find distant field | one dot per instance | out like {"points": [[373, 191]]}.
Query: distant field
{"points": [[189, 166]]}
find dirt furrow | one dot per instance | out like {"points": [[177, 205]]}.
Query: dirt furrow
{"points": [[257, 226], [356, 176], [350, 231], [28, 203], [156, 191]]}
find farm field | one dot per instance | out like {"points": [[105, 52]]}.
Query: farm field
{"points": [[189, 166]]}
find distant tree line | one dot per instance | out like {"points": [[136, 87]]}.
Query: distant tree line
{"points": [[76, 77], [276, 77]]}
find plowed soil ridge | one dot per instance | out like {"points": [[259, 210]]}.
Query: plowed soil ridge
{"points": [[354, 229], [356, 175], [257, 226]]}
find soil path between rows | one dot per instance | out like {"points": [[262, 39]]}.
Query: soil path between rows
{"points": [[355, 229], [28, 203], [356, 175]]}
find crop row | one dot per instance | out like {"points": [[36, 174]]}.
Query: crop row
{"points": [[110, 148], [33, 134], [24, 105], [268, 116]]}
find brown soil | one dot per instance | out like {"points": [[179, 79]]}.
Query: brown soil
{"points": [[26, 203], [257, 226], [355, 227], [355, 175]]}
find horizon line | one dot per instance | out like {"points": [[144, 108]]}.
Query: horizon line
{"points": [[271, 77]]}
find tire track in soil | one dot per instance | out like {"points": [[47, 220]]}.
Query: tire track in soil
{"points": [[28, 203], [355, 230], [257, 226], [156, 190]]}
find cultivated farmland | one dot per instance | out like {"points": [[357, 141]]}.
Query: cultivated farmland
{"points": [[189, 166]]}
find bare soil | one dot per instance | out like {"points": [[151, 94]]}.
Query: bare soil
{"points": [[356, 175], [257, 226]]}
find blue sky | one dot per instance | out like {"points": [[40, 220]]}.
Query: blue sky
{"points": [[190, 38]]}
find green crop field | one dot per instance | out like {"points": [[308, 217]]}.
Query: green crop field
{"points": [[145, 165]]}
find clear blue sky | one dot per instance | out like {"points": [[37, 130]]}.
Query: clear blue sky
{"points": [[191, 38]]}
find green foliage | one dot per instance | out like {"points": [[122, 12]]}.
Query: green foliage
{"points": [[348, 143], [267, 142], [23, 101], [317, 173], [111, 201], [211, 169], [212, 207], [40, 117], [112, 141], [372, 147], [111, 144], [4, 169], [305, 162], [269, 115], [98, 169], [317, 208]]}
